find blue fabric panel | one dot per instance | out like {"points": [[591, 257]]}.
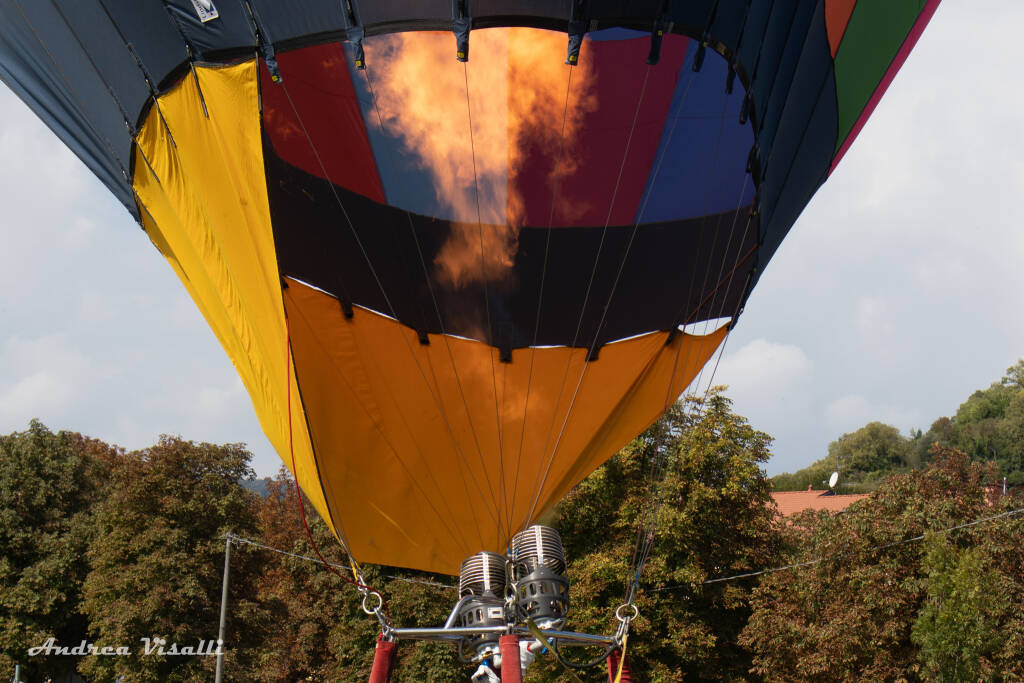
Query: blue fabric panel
{"points": [[59, 84], [700, 166], [407, 183], [231, 31], [783, 79], [291, 19]]}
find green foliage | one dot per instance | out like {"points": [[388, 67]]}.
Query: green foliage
{"points": [[956, 626], [990, 424], [862, 613], [863, 458], [156, 557], [47, 483], [713, 517]]}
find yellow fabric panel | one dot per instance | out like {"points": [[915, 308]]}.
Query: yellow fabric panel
{"points": [[206, 209], [422, 463]]}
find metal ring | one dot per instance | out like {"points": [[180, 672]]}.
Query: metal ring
{"points": [[618, 612], [380, 602]]}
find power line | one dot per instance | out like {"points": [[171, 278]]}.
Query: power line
{"points": [[238, 539], [818, 560]]}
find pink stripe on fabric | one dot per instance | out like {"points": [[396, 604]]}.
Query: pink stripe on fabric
{"points": [[897, 62]]}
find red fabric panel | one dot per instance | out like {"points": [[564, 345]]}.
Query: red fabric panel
{"points": [[318, 81], [613, 668], [837, 16], [603, 100], [383, 659], [510, 670]]}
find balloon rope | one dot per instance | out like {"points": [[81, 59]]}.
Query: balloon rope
{"points": [[540, 294], [539, 487], [391, 312], [487, 308], [357, 578], [647, 529], [444, 334]]}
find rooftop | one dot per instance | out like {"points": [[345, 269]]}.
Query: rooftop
{"points": [[792, 502]]}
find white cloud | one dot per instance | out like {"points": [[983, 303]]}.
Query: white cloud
{"points": [[852, 411], [40, 377]]}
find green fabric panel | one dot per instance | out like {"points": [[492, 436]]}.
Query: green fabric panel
{"points": [[874, 35]]}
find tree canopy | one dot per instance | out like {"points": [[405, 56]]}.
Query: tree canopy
{"points": [[988, 426], [874, 603]]}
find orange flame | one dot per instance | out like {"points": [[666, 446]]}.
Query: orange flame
{"points": [[517, 86]]}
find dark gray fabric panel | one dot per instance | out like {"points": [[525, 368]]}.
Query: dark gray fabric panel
{"points": [[109, 56], [146, 26], [434, 12], [781, 91], [557, 10], [753, 34], [44, 65], [293, 20], [808, 171], [230, 32]]}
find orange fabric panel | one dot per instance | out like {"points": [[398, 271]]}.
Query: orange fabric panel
{"points": [[837, 16], [430, 453], [204, 205]]}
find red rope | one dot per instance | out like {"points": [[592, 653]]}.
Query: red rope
{"points": [[298, 491]]}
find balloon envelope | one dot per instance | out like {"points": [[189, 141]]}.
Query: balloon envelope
{"points": [[452, 289]]}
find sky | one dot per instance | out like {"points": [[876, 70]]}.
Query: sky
{"points": [[897, 293]]}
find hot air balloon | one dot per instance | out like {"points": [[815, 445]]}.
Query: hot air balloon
{"points": [[459, 252]]}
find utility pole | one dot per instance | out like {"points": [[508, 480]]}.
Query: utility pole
{"points": [[218, 676]]}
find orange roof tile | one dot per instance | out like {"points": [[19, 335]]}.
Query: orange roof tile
{"points": [[792, 502]]}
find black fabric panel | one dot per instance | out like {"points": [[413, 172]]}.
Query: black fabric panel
{"points": [[65, 91], [672, 273]]}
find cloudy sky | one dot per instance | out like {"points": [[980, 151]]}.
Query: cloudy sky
{"points": [[897, 293]]}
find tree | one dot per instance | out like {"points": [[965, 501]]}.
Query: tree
{"points": [[956, 625], [319, 629], [713, 516], [156, 558], [866, 606], [47, 483], [864, 457]]}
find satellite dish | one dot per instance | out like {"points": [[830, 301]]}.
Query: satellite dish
{"points": [[833, 479]]}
